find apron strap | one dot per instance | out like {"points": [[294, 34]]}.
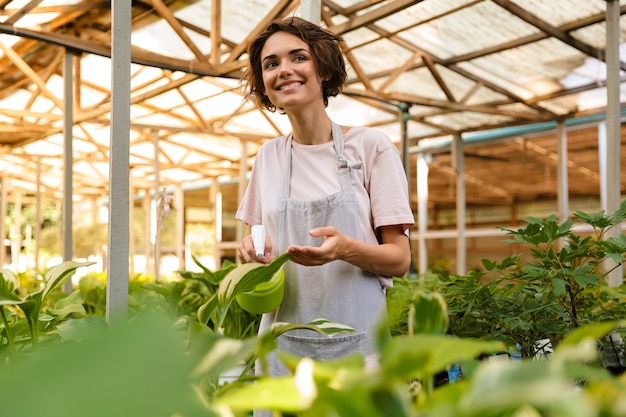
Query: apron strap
{"points": [[287, 174], [342, 162]]}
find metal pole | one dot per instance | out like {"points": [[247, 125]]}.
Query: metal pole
{"points": [[119, 170], [459, 166], [613, 121], [3, 214], [68, 160], [311, 10], [422, 212], [562, 174], [38, 214], [243, 183], [179, 203], [155, 211]]}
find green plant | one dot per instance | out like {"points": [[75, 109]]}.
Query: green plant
{"points": [[201, 288], [492, 389], [154, 366], [31, 307], [567, 261], [560, 288], [408, 310]]}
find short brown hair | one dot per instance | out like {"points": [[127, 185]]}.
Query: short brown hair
{"points": [[325, 48]]}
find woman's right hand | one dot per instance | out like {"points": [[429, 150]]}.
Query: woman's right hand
{"points": [[246, 252]]}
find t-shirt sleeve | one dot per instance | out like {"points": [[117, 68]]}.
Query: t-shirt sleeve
{"points": [[389, 188], [250, 210]]}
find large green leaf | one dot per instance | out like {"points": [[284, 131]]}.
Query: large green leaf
{"points": [[239, 280], [320, 325], [592, 331], [138, 369], [8, 298], [60, 273], [247, 276], [68, 305], [498, 388], [224, 354], [424, 355], [428, 313], [83, 328], [276, 393], [8, 280], [206, 310]]}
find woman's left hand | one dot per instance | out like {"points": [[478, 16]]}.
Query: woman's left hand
{"points": [[330, 250], [391, 257]]}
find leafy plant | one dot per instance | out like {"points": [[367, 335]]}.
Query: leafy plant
{"points": [[200, 294], [154, 366], [31, 306], [565, 260], [560, 288]]}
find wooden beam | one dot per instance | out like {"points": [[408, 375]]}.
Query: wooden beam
{"points": [[276, 11], [166, 14], [216, 31], [139, 56], [32, 75], [554, 31], [23, 11], [371, 17]]}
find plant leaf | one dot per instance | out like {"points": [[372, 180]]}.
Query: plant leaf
{"points": [[8, 280], [558, 287], [422, 356], [58, 274], [68, 305], [247, 276], [8, 298], [83, 328]]}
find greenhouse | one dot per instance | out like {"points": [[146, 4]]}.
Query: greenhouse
{"points": [[127, 143]]}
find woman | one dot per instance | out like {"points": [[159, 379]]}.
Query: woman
{"points": [[333, 197]]}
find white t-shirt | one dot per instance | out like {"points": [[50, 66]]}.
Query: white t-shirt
{"points": [[380, 185]]}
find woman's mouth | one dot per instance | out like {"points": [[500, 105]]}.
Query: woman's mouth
{"points": [[294, 84]]}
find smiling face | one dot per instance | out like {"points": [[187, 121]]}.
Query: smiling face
{"points": [[290, 74], [323, 48]]}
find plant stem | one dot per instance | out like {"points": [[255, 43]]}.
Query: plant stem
{"points": [[8, 329], [573, 309]]}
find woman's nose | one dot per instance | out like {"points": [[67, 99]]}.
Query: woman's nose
{"points": [[284, 69]]}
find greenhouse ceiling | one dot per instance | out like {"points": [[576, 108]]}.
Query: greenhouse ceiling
{"points": [[445, 67]]}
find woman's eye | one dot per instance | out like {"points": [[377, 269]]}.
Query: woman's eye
{"points": [[299, 58], [270, 65]]}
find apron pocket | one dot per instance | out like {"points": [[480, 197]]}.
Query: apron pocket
{"points": [[326, 348]]}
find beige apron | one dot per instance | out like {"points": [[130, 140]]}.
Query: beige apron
{"points": [[337, 291]]}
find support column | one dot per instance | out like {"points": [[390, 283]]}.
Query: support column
{"points": [[459, 166], [119, 170], [562, 173], [146, 207], [156, 209], [16, 232], [4, 209], [243, 183], [422, 212], [216, 200], [68, 160], [311, 10], [38, 215], [131, 227], [179, 203], [613, 194]]}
